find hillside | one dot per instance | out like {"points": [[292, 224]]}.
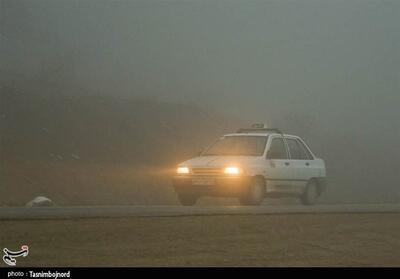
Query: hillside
{"points": [[97, 149], [102, 129]]}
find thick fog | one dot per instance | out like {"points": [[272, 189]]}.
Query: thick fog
{"points": [[328, 71]]}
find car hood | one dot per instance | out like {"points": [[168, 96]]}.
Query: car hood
{"points": [[218, 161]]}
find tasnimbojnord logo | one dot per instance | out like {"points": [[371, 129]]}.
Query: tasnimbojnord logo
{"points": [[9, 256]]}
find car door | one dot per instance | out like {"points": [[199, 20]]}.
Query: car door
{"points": [[278, 172], [313, 165], [300, 163]]}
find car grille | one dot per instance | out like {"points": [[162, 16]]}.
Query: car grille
{"points": [[207, 171]]}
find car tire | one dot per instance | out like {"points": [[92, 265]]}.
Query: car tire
{"points": [[187, 199], [254, 194], [310, 194]]}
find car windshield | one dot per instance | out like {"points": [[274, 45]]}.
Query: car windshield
{"points": [[238, 146]]}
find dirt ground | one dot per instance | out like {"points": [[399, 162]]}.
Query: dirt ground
{"points": [[257, 240]]}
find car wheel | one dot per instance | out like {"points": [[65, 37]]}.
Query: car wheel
{"points": [[187, 199], [255, 193], [310, 194]]}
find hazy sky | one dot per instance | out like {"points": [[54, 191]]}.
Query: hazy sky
{"points": [[328, 71], [252, 58]]}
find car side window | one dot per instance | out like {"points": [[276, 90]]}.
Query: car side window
{"points": [[309, 156], [277, 150], [296, 151]]}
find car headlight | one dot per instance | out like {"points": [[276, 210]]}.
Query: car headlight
{"points": [[233, 170], [182, 170]]}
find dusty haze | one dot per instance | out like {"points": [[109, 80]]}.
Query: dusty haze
{"points": [[328, 71]]}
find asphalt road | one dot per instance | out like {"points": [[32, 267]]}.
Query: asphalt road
{"points": [[10, 213]]}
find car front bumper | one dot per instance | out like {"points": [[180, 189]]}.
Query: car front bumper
{"points": [[211, 185]]}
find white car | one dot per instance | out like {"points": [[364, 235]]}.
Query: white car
{"points": [[252, 164]]}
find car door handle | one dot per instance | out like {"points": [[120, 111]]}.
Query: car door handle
{"points": [[287, 163], [307, 163]]}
